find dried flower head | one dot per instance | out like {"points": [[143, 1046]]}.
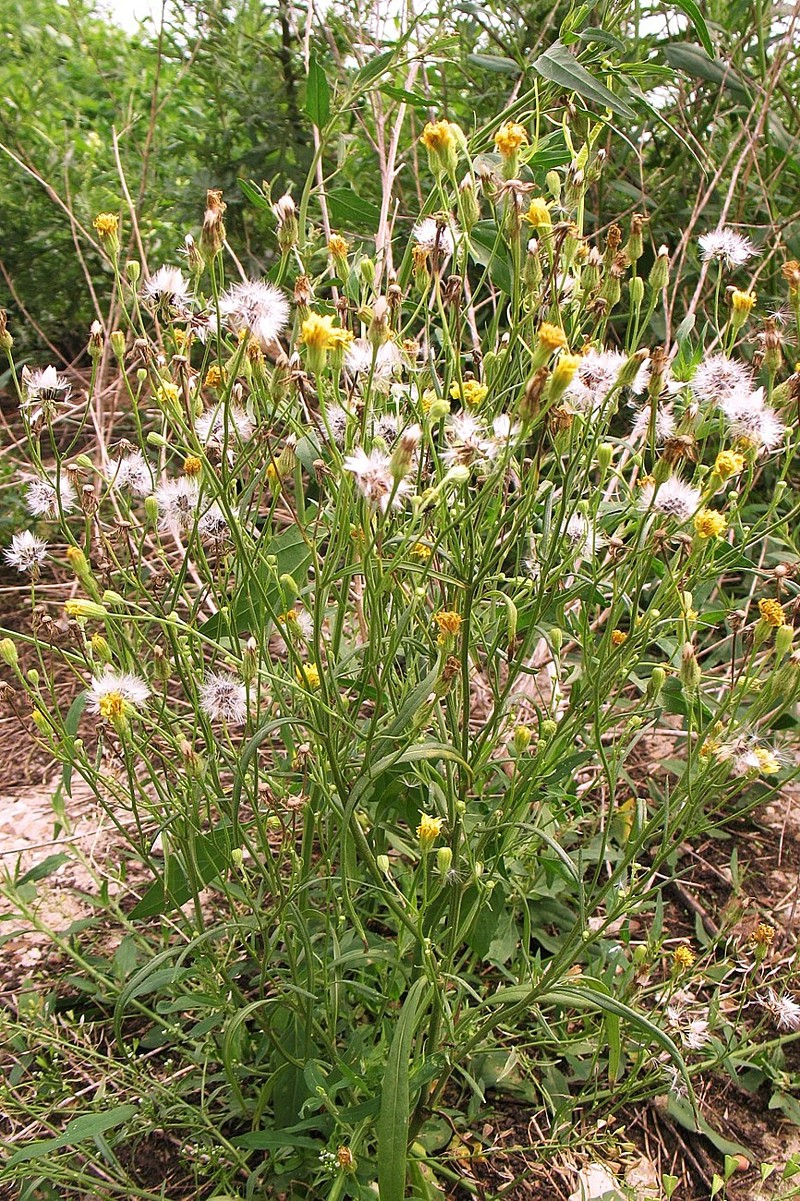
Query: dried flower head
{"points": [[50, 497], [223, 697], [26, 552], [168, 286], [257, 308], [674, 498], [728, 246], [784, 1010]]}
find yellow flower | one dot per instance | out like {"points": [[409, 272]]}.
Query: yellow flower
{"points": [[449, 624], [742, 302], [436, 407], [683, 958], [420, 551], [538, 214], [428, 830], [728, 463], [763, 936], [112, 706], [509, 138], [308, 674], [192, 465], [338, 246], [85, 609], [107, 225], [473, 393], [441, 140], [168, 395], [563, 374], [618, 637], [767, 761], [771, 612], [319, 333], [709, 523], [551, 337]]}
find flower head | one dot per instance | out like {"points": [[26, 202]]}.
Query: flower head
{"points": [[771, 612], [728, 246], [468, 444], [308, 675], [134, 472], [373, 476], [378, 366], [49, 497], [717, 378], [115, 695], [428, 830], [44, 391], [26, 552], [432, 235], [674, 498], [319, 332], [257, 308], [223, 697], [708, 523], [728, 463], [177, 503], [509, 137], [217, 426], [784, 1010], [472, 393], [683, 958], [168, 286]]}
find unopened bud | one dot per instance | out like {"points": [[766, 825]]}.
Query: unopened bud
{"points": [[444, 860], [383, 864], [118, 344], [8, 653], [690, 674], [783, 641], [553, 181], [654, 685], [659, 273], [522, 739]]}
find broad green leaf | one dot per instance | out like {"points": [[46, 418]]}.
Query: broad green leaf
{"points": [[212, 856], [413, 98], [558, 66], [318, 94], [349, 212], [88, 1125], [392, 1125]]}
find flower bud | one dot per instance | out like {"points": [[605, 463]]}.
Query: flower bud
{"points": [[237, 858], [636, 290], [133, 270], [470, 208], [118, 344], [659, 273], [654, 685], [690, 674], [101, 651], [553, 181], [151, 509], [547, 729], [8, 653], [383, 864], [444, 860], [605, 453], [522, 739], [783, 641]]}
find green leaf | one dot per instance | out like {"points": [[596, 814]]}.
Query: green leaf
{"points": [[71, 728], [392, 1125], [45, 868], [375, 68], [694, 61], [318, 95], [558, 66], [212, 852], [414, 98], [698, 20], [88, 1125], [348, 211], [495, 62]]}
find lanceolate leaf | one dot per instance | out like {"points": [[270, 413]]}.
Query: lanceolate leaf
{"points": [[318, 95], [558, 66], [698, 20], [392, 1128]]}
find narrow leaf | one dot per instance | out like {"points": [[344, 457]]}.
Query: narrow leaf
{"points": [[698, 20], [392, 1125]]}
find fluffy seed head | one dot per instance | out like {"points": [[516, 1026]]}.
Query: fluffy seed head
{"points": [[223, 697]]}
